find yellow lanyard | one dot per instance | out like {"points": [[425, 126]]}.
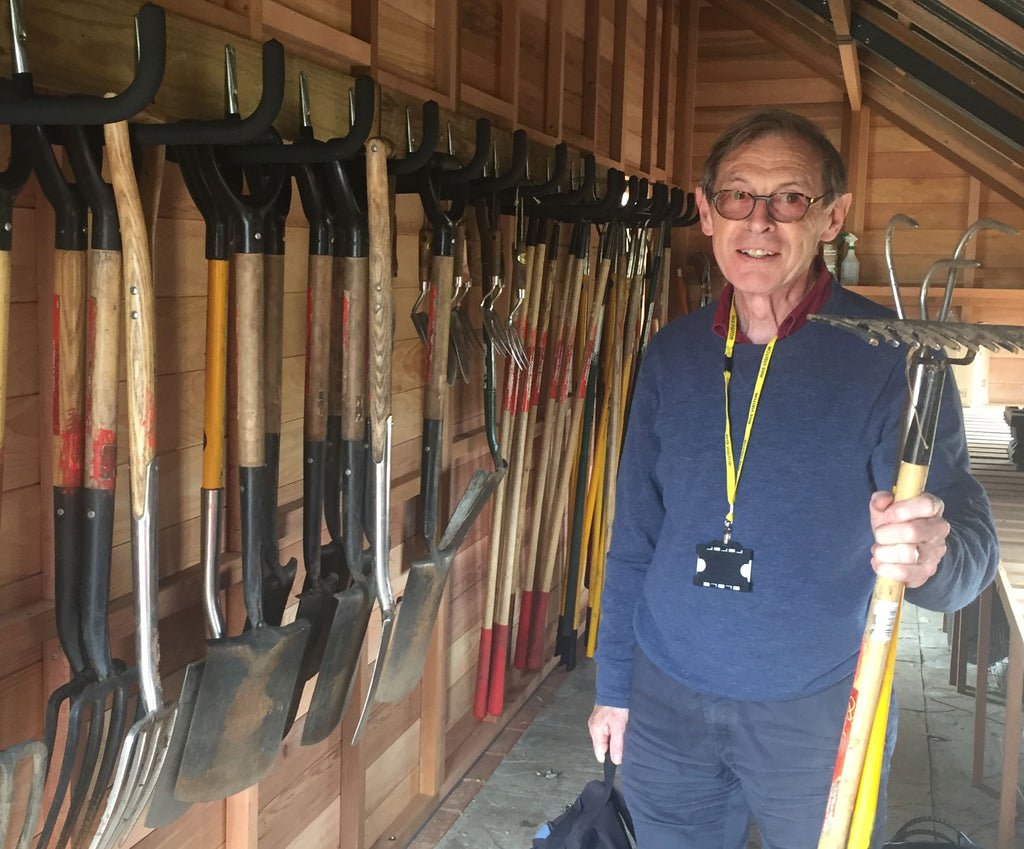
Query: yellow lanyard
{"points": [[732, 472]]}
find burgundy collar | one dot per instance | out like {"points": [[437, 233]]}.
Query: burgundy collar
{"points": [[813, 301]]}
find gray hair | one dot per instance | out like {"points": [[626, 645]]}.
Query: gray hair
{"points": [[778, 122]]}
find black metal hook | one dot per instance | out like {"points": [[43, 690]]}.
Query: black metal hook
{"points": [[417, 160], [603, 209], [84, 109], [564, 201], [689, 216], [231, 129], [310, 151]]}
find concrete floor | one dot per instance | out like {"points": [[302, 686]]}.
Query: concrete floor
{"points": [[544, 758]]}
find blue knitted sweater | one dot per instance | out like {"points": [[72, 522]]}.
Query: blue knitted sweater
{"points": [[824, 438]]}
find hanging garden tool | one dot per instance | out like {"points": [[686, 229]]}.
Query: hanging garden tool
{"points": [[308, 158], [145, 745], [505, 542], [581, 418], [84, 721], [234, 735], [381, 315], [545, 269], [197, 165], [926, 371], [278, 577], [361, 385], [12, 180], [109, 693], [403, 663]]}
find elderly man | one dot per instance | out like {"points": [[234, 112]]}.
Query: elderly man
{"points": [[738, 580]]}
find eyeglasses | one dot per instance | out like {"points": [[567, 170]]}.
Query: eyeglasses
{"points": [[783, 207]]}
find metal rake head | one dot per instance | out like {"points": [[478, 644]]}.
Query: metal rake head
{"points": [[940, 334], [142, 758], [948, 335]]}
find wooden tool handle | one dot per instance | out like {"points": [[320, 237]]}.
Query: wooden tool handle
{"points": [[273, 335], [318, 351], [69, 367], [380, 306], [215, 401], [426, 237], [440, 330], [139, 314], [338, 331], [105, 337], [353, 399], [248, 333], [5, 336]]}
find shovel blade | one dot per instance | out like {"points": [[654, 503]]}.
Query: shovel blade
{"points": [[479, 491], [402, 665], [417, 612], [241, 710], [333, 688]]}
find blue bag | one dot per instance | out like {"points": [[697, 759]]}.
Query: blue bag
{"points": [[598, 819]]}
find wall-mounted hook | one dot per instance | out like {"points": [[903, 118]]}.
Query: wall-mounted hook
{"points": [[309, 151], [86, 109], [417, 160], [231, 129]]}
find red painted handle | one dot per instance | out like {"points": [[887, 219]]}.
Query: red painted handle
{"points": [[499, 651], [483, 675], [523, 634], [535, 652]]}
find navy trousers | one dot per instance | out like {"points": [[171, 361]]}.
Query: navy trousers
{"points": [[696, 768]]}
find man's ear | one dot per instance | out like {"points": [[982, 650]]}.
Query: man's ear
{"points": [[704, 208], [836, 217]]}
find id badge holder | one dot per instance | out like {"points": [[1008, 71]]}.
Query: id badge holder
{"points": [[724, 566]]}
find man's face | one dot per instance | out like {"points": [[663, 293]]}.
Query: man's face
{"points": [[758, 255]]}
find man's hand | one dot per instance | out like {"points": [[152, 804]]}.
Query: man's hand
{"points": [[607, 729], [910, 537]]}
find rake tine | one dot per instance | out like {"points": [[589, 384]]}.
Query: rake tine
{"points": [[145, 748], [114, 740], [67, 766]]}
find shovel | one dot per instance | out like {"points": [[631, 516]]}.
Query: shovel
{"points": [[164, 808], [247, 685], [381, 315], [145, 745], [354, 604], [358, 261], [403, 662], [277, 585]]}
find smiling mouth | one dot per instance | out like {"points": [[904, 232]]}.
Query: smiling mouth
{"points": [[757, 253]]}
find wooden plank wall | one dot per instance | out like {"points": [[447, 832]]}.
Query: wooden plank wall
{"points": [[561, 74]]}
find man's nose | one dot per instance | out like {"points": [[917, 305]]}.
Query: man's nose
{"points": [[760, 218]]}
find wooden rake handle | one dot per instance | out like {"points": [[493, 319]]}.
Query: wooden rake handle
{"points": [[920, 420]]}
